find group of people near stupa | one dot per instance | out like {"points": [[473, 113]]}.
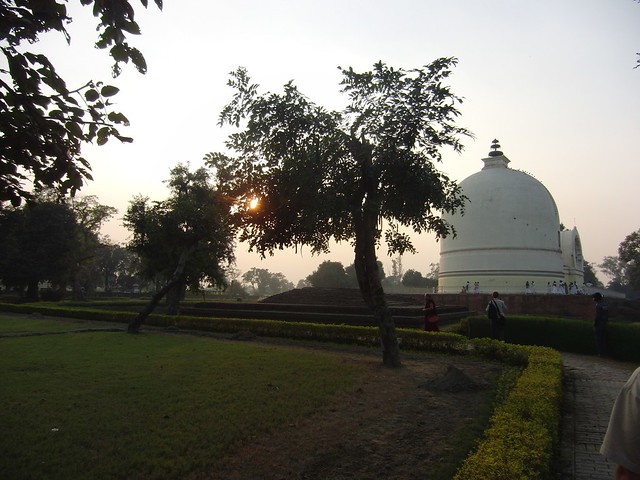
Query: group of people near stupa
{"points": [[563, 288], [553, 288]]}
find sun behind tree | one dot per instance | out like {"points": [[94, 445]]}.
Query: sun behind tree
{"points": [[323, 175]]}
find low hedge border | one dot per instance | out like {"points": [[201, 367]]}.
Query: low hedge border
{"points": [[564, 334], [523, 430]]}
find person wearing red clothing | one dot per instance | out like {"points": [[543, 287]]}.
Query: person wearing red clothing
{"points": [[430, 314]]}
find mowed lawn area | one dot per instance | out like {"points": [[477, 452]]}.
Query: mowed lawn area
{"points": [[112, 405]]}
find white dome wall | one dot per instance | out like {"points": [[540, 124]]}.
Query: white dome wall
{"points": [[508, 235], [572, 256]]}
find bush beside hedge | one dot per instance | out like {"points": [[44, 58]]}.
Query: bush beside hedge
{"points": [[564, 334], [523, 430]]}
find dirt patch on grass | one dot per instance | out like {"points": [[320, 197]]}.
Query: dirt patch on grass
{"points": [[398, 424]]}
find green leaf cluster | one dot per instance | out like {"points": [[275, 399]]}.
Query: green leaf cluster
{"points": [[629, 254], [335, 174], [345, 175], [194, 219], [51, 240], [43, 122]]}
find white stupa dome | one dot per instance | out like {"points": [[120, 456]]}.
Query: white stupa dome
{"points": [[509, 234]]}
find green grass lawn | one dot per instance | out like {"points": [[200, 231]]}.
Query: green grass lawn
{"points": [[12, 324], [113, 405]]}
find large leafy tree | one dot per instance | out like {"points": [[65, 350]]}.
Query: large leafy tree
{"points": [[590, 275], [112, 264], [183, 241], [624, 270], [352, 275], [264, 282], [55, 240], [413, 278], [616, 270], [90, 216], [320, 175], [39, 242], [629, 253], [119, 269], [329, 275], [43, 122]]}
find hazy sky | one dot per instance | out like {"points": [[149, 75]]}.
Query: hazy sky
{"points": [[553, 80]]}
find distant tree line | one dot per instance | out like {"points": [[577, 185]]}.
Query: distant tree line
{"points": [[624, 269], [53, 249], [56, 243], [330, 274]]}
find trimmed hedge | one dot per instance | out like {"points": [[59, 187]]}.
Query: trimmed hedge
{"points": [[523, 430], [564, 334]]}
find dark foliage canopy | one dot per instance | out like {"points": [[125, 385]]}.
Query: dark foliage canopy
{"points": [[629, 253], [50, 239], [39, 242], [194, 219], [43, 122], [314, 171], [347, 175]]}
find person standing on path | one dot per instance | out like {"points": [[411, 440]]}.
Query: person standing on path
{"points": [[621, 444], [600, 324], [496, 312]]}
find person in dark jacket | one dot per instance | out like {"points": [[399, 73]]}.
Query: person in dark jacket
{"points": [[600, 324]]}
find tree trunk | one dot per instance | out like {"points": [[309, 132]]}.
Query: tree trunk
{"points": [[365, 216], [78, 291], [136, 323], [32, 290], [174, 296], [107, 284], [367, 270], [176, 279]]}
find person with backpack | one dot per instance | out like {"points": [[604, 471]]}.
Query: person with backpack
{"points": [[496, 312]]}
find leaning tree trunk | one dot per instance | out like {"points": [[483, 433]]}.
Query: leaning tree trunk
{"points": [[368, 274], [77, 291], [136, 323], [366, 262], [176, 279], [175, 296], [32, 290]]}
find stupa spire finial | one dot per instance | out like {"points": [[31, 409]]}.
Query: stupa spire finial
{"points": [[496, 158], [495, 149]]}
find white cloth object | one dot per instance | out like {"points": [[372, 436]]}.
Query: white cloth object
{"points": [[621, 444]]}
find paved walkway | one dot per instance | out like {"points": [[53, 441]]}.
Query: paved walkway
{"points": [[591, 387]]}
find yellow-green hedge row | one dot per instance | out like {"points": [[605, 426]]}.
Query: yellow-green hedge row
{"points": [[524, 429]]}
